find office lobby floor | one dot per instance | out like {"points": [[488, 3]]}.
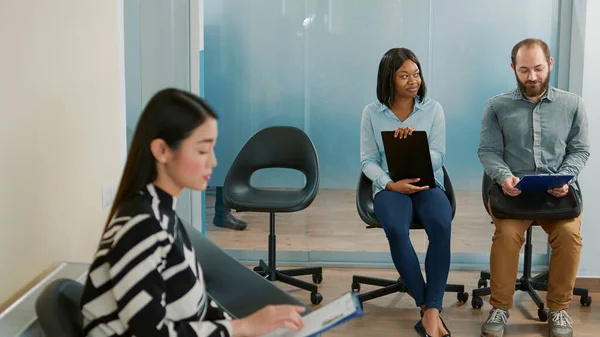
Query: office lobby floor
{"points": [[395, 315], [331, 223]]}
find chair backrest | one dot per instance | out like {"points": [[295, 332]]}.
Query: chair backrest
{"points": [[364, 199], [486, 184], [273, 147], [58, 309]]}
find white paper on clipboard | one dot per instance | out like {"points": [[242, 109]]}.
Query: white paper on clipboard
{"points": [[341, 310]]}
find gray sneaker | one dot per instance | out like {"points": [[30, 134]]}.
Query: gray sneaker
{"points": [[495, 324], [559, 324]]}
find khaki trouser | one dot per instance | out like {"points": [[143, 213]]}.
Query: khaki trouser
{"points": [[565, 240]]}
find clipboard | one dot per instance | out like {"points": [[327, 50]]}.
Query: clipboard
{"points": [[341, 310], [409, 158], [543, 182]]}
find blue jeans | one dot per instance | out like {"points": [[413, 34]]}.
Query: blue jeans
{"points": [[395, 212]]}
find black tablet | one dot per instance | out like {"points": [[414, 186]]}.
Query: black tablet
{"points": [[409, 157]]}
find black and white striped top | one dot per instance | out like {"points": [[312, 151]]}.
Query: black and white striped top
{"points": [[145, 280]]}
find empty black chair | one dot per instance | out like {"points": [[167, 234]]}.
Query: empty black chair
{"points": [[58, 309], [527, 282], [364, 205], [276, 147]]}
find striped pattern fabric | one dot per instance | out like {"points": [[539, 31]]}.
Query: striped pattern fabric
{"points": [[144, 279]]}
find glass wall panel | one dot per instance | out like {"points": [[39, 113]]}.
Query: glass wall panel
{"points": [[157, 56], [313, 64], [471, 42]]}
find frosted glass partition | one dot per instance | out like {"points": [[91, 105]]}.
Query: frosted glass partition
{"points": [[310, 64], [313, 64], [157, 54], [471, 42]]}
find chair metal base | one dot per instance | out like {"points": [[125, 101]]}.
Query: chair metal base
{"points": [[527, 283], [270, 271], [397, 286]]}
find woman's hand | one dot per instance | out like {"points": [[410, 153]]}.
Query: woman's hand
{"points": [[403, 132], [405, 186], [268, 319]]}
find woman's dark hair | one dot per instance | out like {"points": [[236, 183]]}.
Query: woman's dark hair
{"points": [[389, 64], [171, 115]]}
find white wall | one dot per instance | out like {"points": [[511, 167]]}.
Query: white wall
{"points": [[589, 266], [60, 131]]}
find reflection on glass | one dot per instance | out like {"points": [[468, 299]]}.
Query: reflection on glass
{"points": [[313, 64]]}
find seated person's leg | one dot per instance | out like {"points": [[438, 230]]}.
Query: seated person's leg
{"points": [[395, 213], [565, 239], [434, 211], [223, 216], [507, 241]]}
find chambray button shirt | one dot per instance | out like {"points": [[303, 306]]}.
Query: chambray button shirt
{"points": [[519, 137]]}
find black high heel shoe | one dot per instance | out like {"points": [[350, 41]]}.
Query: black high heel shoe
{"points": [[420, 329], [449, 334]]}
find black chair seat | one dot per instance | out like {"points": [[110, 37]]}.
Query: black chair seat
{"points": [[58, 308], [275, 201], [527, 283], [414, 225], [366, 211], [276, 147]]}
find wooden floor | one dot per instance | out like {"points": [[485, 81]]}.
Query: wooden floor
{"points": [[395, 315], [332, 223]]}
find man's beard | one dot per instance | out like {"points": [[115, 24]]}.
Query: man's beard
{"points": [[534, 91]]}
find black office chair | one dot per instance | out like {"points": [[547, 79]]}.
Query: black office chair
{"points": [[58, 309], [527, 282], [276, 147], [364, 205]]}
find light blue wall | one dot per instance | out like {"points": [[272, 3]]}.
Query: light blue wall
{"points": [[586, 50], [313, 64]]}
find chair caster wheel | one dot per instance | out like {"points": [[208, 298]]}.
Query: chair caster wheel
{"points": [[482, 283], [317, 278], [316, 298], [586, 301], [257, 269], [355, 287], [462, 297], [476, 302]]}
